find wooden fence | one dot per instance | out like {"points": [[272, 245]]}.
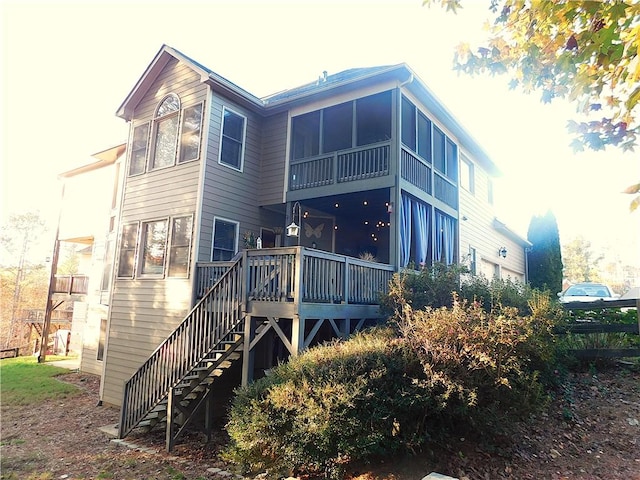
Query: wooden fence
{"points": [[595, 326]]}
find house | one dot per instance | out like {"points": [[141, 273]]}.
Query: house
{"points": [[87, 231], [251, 228]]}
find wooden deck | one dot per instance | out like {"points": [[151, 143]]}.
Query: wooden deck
{"points": [[302, 282], [285, 292]]}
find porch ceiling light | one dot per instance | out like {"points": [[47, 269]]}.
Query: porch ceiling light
{"points": [[293, 230]]}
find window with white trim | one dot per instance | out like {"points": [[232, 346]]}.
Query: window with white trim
{"points": [[128, 246], [467, 180], [473, 261], [225, 239], [144, 248], [139, 147], [232, 139], [165, 131], [173, 137], [180, 249], [154, 244], [190, 133]]}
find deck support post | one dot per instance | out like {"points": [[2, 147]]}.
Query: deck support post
{"points": [[208, 413], [297, 334], [169, 432], [248, 353]]}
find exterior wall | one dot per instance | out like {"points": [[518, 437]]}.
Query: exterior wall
{"points": [[229, 193], [478, 232], [274, 159], [144, 311]]}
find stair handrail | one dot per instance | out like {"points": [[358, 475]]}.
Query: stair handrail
{"points": [[214, 318]]}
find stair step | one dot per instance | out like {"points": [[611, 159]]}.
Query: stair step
{"points": [[148, 423]]}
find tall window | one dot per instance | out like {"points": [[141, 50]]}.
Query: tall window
{"points": [[466, 174], [139, 146], [128, 243], [179, 252], [154, 243], [166, 132], [408, 124], [416, 130], [232, 139], [169, 135], [225, 239], [190, 133]]}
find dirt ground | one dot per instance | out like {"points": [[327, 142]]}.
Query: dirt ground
{"points": [[591, 431]]}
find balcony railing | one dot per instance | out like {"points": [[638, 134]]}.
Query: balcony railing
{"points": [[71, 284], [416, 171], [342, 166], [298, 274]]}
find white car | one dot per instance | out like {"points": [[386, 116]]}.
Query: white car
{"points": [[587, 292]]}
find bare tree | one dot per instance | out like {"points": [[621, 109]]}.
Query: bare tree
{"points": [[17, 238]]}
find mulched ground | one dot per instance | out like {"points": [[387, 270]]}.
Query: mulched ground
{"points": [[590, 432]]}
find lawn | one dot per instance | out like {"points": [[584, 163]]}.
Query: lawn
{"points": [[24, 381]]}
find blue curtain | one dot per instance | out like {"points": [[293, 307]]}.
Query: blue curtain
{"points": [[405, 230], [445, 238], [439, 236], [421, 222]]}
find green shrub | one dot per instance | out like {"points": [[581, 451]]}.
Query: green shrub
{"points": [[428, 287], [329, 406], [435, 286]]}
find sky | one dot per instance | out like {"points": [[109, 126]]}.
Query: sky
{"points": [[67, 67]]}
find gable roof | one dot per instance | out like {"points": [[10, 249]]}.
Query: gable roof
{"points": [[324, 86]]}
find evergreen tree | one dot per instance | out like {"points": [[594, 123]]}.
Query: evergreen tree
{"points": [[545, 257]]}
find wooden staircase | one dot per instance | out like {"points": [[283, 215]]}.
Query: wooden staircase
{"points": [[175, 381], [293, 283]]}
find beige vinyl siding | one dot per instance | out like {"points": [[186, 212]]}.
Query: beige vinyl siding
{"points": [[478, 231], [227, 192], [145, 311], [274, 147]]}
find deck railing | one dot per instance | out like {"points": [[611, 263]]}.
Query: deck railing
{"points": [[306, 275], [71, 284], [291, 274], [343, 166], [216, 316]]}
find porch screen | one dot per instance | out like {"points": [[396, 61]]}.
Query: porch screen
{"points": [[415, 231]]}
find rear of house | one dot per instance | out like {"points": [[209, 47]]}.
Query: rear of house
{"points": [[367, 163]]}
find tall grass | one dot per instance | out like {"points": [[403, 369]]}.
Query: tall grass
{"points": [[24, 381]]}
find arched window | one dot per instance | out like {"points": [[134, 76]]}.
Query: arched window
{"points": [[165, 131]]}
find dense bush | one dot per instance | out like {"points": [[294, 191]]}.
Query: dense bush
{"points": [[329, 406], [435, 287], [431, 373]]}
